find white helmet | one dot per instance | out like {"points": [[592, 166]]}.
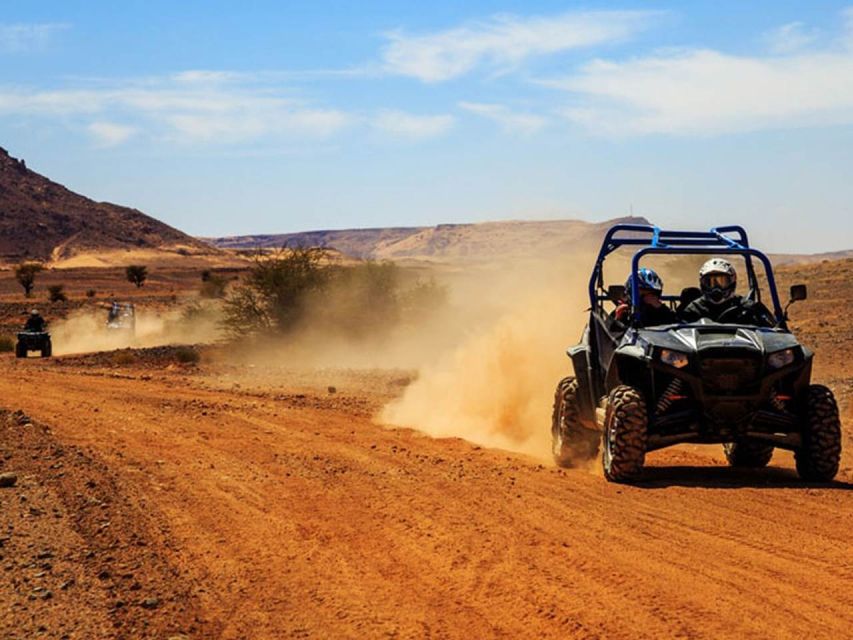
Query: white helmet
{"points": [[717, 279]]}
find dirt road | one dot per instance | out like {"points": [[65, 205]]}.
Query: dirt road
{"points": [[285, 512]]}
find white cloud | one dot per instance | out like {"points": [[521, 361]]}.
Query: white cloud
{"points": [[707, 92], [192, 107], [110, 134], [18, 38], [790, 38], [407, 125], [510, 121], [504, 41]]}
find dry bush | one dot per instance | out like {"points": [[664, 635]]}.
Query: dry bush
{"points": [[137, 274], [187, 355], [273, 296], [123, 358], [7, 344], [56, 293], [25, 274], [298, 289]]}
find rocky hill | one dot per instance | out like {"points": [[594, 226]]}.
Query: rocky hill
{"points": [[483, 240], [40, 219]]}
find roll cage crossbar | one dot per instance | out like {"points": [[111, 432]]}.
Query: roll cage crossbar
{"points": [[727, 240]]}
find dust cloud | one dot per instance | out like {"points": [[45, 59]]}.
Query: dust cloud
{"points": [[495, 386], [85, 330]]}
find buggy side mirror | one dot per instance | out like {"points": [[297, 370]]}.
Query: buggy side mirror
{"points": [[798, 292], [616, 292]]}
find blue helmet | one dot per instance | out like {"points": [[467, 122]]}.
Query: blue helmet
{"points": [[647, 279]]}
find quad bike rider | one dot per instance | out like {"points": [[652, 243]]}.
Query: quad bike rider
{"points": [[121, 317], [34, 337], [728, 372]]}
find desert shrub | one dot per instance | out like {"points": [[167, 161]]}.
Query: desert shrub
{"points": [[56, 293], [360, 299], [137, 274], [274, 294], [7, 343], [91, 293], [123, 358], [187, 355], [25, 274]]}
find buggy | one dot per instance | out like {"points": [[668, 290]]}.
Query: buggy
{"points": [[640, 388]]}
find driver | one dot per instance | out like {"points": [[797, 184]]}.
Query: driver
{"points": [[718, 302], [35, 322], [652, 310]]}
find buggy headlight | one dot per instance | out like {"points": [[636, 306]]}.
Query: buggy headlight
{"points": [[780, 359], [674, 358]]}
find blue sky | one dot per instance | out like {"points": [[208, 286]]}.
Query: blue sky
{"points": [[259, 117]]}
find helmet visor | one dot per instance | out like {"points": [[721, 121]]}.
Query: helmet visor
{"points": [[717, 281]]}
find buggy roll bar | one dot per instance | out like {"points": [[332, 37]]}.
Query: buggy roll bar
{"points": [[725, 240]]}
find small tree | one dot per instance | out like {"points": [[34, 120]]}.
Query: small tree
{"points": [[275, 290], [137, 274], [25, 274], [56, 293]]}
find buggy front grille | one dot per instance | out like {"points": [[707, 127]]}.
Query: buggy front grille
{"points": [[729, 375]]}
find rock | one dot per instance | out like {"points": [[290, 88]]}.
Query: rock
{"points": [[333, 390], [150, 603], [8, 479]]}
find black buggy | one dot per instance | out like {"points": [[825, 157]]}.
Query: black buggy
{"points": [[640, 388]]}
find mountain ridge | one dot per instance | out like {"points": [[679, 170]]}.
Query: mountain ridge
{"points": [[444, 241], [43, 220]]}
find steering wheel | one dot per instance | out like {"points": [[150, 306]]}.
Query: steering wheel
{"points": [[734, 312]]}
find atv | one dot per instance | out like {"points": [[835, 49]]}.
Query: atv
{"points": [[33, 341], [640, 388], [122, 318]]}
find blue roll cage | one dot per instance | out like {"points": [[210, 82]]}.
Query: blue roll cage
{"points": [[717, 241]]}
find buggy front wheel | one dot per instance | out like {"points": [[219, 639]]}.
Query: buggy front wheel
{"points": [[625, 435]]}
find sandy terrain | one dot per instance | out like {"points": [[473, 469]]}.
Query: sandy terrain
{"points": [[230, 499], [282, 510]]}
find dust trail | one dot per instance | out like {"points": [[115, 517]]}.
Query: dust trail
{"points": [[496, 387], [85, 331]]}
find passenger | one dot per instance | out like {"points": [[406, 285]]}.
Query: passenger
{"points": [[35, 322], [718, 302], [653, 311]]}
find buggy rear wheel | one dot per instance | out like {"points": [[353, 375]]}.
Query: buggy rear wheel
{"points": [[20, 351], [748, 453], [570, 442], [625, 434], [46, 350], [820, 453]]}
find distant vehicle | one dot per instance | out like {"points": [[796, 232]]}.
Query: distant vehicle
{"points": [[33, 341], [639, 388], [121, 317]]}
